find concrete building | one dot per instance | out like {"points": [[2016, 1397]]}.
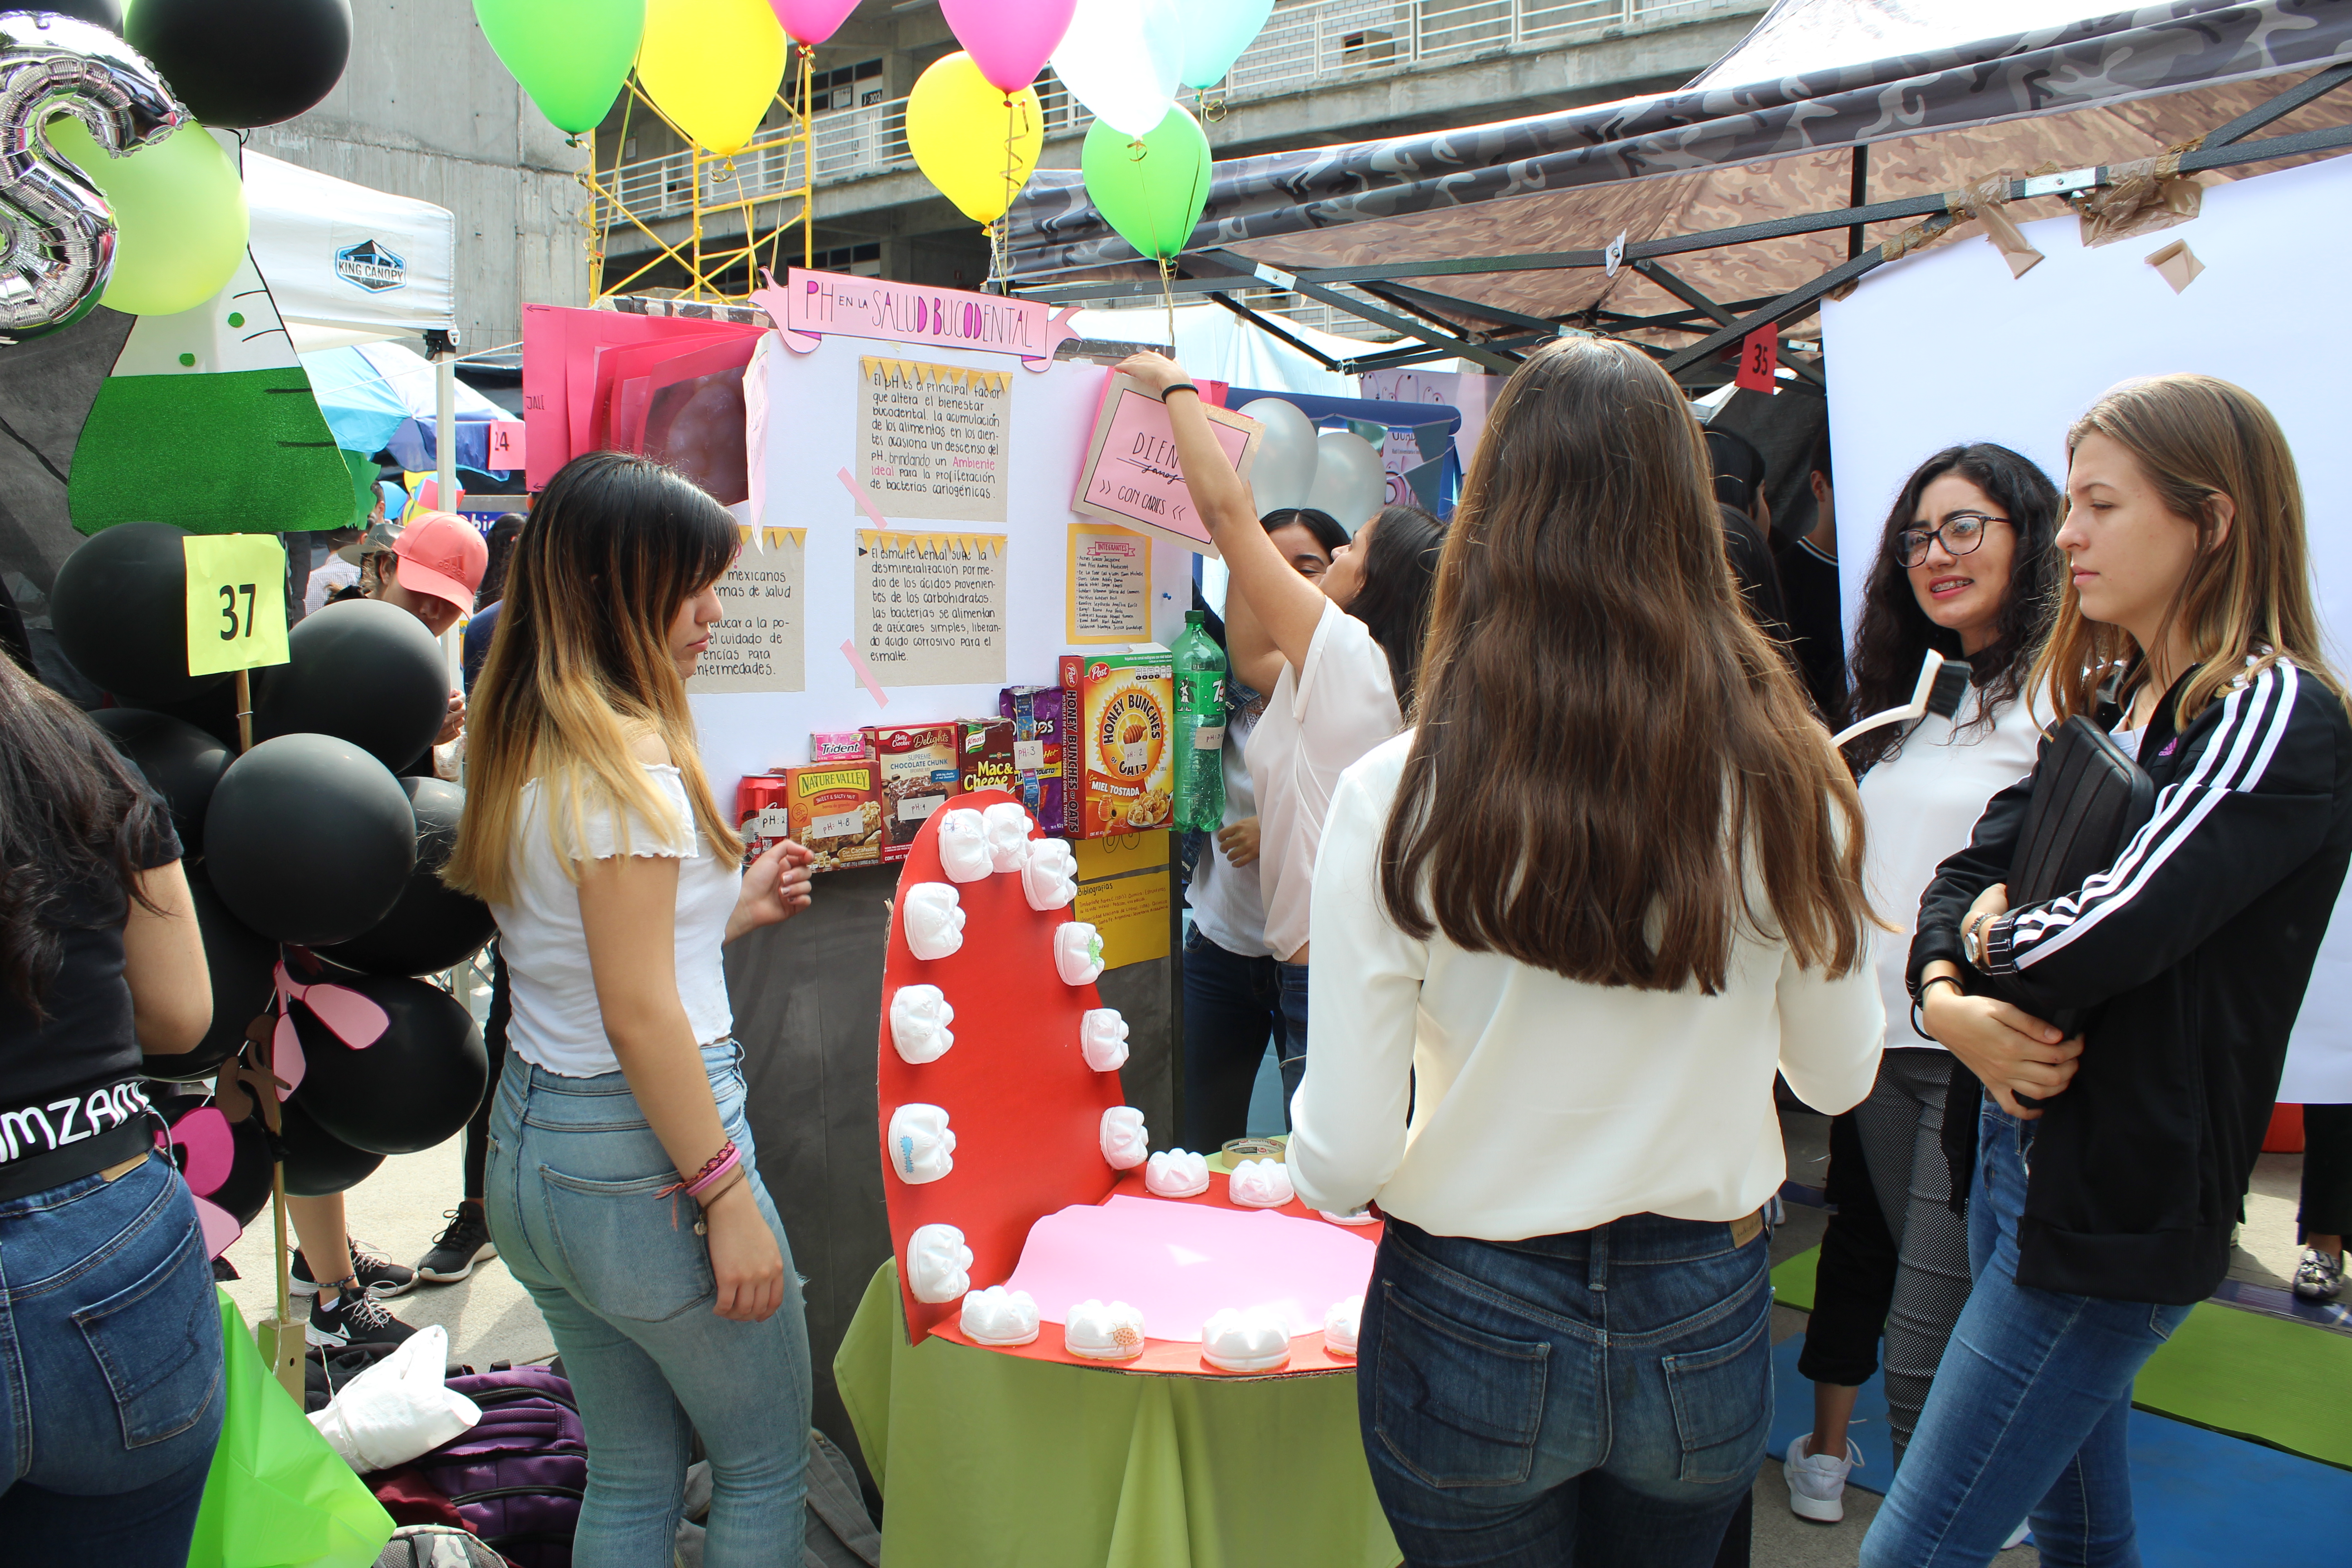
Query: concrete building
{"points": [[1322, 71], [425, 110]]}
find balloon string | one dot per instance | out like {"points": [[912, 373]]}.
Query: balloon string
{"points": [[1168, 300]]}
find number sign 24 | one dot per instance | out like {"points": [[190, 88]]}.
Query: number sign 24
{"points": [[236, 602]]}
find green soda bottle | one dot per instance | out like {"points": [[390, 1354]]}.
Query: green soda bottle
{"points": [[1200, 729]]}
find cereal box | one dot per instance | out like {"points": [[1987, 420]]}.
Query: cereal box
{"points": [[987, 755], [1124, 771], [920, 770], [835, 813], [1037, 732]]}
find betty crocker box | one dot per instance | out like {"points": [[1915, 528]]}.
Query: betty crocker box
{"points": [[920, 769], [1121, 761]]}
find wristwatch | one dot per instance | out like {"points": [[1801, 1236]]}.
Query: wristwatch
{"points": [[1972, 941]]}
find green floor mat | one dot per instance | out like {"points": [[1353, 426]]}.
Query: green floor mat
{"points": [[2287, 1385], [1792, 1281]]}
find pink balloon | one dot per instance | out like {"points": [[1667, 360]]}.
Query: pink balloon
{"points": [[204, 1133], [811, 21], [1009, 40]]}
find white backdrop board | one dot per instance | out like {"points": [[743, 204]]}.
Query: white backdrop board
{"points": [[812, 403], [1945, 347]]}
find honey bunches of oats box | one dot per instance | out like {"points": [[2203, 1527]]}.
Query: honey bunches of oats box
{"points": [[1121, 758]]}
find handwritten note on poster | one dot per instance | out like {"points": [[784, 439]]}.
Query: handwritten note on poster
{"points": [[931, 606], [758, 645], [933, 440], [1110, 585], [1131, 475]]}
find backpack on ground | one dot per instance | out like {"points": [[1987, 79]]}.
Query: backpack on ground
{"points": [[518, 1477]]}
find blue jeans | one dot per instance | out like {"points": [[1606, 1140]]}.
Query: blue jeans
{"points": [[110, 1369], [625, 1286], [1601, 1396], [1232, 1008], [2030, 1406], [1293, 1033]]}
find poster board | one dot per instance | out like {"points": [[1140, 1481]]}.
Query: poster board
{"points": [[2041, 349], [1130, 475], [813, 401]]}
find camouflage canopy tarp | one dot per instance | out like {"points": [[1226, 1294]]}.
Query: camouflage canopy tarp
{"points": [[1766, 133]]}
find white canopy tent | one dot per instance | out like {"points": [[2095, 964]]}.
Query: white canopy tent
{"points": [[346, 264]]}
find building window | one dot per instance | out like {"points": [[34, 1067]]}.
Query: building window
{"points": [[856, 260], [846, 87]]}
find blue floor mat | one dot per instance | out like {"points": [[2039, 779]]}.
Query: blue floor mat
{"points": [[2200, 1498]]}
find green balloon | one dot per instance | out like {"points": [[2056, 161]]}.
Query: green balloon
{"points": [[571, 56], [180, 218], [1151, 191]]}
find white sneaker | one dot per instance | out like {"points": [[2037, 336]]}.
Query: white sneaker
{"points": [[2017, 1537], [1817, 1481]]}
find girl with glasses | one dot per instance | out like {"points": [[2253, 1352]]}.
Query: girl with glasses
{"points": [[1966, 569]]}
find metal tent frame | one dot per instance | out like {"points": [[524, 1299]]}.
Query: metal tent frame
{"points": [[1433, 319]]}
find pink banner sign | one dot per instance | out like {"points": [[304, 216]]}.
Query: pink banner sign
{"points": [[812, 306]]}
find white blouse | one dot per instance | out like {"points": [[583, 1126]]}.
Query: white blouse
{"points": [[1319, 721], [1918, 808], [1542, 1104], [557, 1023]]}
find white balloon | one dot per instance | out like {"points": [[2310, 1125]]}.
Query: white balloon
{"points": [[1283, 470], [1349, 482], [1120, 58]]}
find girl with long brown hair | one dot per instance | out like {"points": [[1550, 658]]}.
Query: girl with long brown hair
{"points": [[623, 1188], [2111, 1165], [1577, 915]]}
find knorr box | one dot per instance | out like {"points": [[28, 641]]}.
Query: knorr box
{"points": [[986, 755], [835, 813], [1120, 762]]}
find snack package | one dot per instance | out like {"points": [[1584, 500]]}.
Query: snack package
{"points": [[987, 755], [835, 813], [1124, 770], [760, 815], [1037, 735], [918, 772], [840, 746]]}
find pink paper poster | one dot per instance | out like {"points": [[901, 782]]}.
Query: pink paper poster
{"points": [[1131, 475]]}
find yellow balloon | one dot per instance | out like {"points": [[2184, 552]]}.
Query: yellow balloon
{"points": [[713, 65], [978, 152]]}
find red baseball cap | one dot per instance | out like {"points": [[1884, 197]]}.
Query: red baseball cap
{"points": [[444, 555]]}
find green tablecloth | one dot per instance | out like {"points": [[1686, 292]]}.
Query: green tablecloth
{"points": [[988, 1459]]}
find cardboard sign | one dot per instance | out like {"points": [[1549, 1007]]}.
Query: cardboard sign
{"points": [[236, 602], [812, 305], [507, 446], [1759, 359], [1130, 475]]}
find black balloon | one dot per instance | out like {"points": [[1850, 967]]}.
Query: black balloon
{"points": [[240, 962], [309, 839], [411, 1087], [318, 1163], [239, 63], [434, 927], [213, 711], [363, 670], [181, 761], [121, 610]]}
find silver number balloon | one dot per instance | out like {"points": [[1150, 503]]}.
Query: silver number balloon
{"points": [[57, 234]]}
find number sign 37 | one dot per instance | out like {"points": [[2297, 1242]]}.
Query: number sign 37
{"points": [[236, 602]]}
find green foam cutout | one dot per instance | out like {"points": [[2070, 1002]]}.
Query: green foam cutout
{"points": [[233, 452]]}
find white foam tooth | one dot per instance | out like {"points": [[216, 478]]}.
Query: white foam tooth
{"points": [[997, 1316], [1102, 1038], [1260, 1185], [1100, 1331], [1248, 1339], [963, 844], [919, 1017], [1049, 875], [1008, 825], [931, 913], [1176, 1173], [921, 1144], [1341, 1322], [1078, 952], [1125, 1143], [938, 1264]]}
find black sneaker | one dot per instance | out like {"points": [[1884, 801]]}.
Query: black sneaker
{"points": [[465, 1242], [383, 1278], [353, 1318]]}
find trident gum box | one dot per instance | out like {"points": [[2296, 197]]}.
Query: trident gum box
{"points": [[1120, 760]]}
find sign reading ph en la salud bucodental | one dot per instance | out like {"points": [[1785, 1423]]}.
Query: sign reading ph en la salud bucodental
{"points": [[811, 306]]}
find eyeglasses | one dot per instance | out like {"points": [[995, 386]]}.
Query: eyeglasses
{"points": [[1959, 534]]}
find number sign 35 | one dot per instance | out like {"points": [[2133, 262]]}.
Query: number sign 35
{"points": [[236, 602]]}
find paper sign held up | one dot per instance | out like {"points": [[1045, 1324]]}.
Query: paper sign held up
{"points": [[236, 602], [507, 443], [1759, 360], [1130, 475]]}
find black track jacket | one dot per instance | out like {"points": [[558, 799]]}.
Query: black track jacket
{"points": [[2199, 942]]}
